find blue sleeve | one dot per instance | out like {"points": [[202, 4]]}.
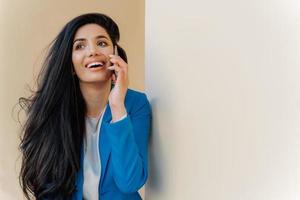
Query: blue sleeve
{"points": [[129, 142]]}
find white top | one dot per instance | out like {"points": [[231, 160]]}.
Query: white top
{"points": [[92, 161]]}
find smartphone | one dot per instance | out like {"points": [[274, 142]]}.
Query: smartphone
{"points": [[115, 53]]}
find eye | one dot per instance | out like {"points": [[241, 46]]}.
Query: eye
{"points": [[102, 43], [79, 46]]}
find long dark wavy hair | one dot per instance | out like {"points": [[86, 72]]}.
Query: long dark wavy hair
{"points": [[52, 134]]}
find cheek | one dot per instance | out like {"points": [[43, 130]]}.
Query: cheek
{"points": [[76, 59], [108, 51]]}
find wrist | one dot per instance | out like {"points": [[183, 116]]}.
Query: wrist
{"points": [[117, 111]]}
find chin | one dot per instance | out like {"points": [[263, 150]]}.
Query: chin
{"points": [[96, 80], [94, 77]]}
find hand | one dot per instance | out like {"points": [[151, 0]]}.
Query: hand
{"points": [[117, 94]]}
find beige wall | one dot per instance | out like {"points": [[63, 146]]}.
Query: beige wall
{"points": [[27, 27], [223, 79]]}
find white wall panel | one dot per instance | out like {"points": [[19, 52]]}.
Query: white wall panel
{"points": [[223, 79]]}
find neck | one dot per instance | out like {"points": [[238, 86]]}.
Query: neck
{"points": [[95, 96]]}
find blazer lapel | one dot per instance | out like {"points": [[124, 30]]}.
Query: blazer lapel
{"points": [[104, 146], [104, 149]]}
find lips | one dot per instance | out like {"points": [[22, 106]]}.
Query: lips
{"points": [[94, 64]]}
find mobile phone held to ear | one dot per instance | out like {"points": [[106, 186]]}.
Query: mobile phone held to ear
{"points": [[115, 53], [116, 50]]}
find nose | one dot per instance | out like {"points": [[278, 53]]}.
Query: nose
{"points": [[93, 51]]}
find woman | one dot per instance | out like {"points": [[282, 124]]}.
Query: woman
{"points": [[86, 133]]}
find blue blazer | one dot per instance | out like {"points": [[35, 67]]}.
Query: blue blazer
{"points": [[123, 148]]}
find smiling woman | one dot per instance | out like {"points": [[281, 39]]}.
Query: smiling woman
{"points": [[90, 67], [86, 133]]}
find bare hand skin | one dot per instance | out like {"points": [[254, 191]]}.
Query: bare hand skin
{"points": [[117, 95]]}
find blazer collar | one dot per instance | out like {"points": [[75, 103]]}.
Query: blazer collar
{"points": [[104, 143], [107, 114]]}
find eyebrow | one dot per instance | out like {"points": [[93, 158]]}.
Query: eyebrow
{"points": [[83, 39]]}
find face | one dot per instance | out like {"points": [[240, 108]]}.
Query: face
{"points": [[91, 47]]}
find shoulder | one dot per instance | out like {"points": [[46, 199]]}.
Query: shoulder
{"points": [[135, 100], [132, 95]]}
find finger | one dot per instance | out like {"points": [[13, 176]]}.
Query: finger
{"points": [[118, 60], [111, 67], [115, 67]]}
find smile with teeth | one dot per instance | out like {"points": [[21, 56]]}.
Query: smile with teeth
{"points": [[95, 64]]}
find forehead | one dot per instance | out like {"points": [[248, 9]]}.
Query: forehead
{"points": [[90, 31]]}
